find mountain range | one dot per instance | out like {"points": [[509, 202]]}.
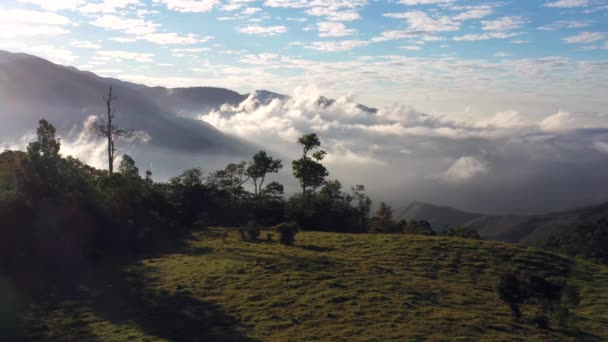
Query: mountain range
{"points": [[527, 230], [32, 88]]}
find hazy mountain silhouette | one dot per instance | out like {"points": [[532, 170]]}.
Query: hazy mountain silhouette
{"points": [[32, 88], [528, 230]]}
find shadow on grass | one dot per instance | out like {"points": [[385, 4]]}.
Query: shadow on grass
{"points": [[315, 248], [172, 316]]}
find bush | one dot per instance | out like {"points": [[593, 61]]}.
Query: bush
{"points": [[416, 227], [517, 288], [462, 232], [287, 232], [250, 233]]}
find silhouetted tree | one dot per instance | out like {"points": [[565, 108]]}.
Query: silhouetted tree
{"points": [[363, 205], [262, 165], [127, 167], [309, 171], [231, 179], [47, 146], [109, 131]]}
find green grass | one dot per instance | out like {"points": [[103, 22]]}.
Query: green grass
{"points": [[328, 287]]}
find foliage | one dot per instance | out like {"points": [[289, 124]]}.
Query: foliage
{"points": [[262, 165], [587, 240], [309, 171], [463, 232], [417, 227], [287, 232], [127, 167], [518, 288], [250, 233]]}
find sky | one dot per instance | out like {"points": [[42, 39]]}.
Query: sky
{"points": [[464, 59]]}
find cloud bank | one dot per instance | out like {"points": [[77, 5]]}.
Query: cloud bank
{"points": [[505, 164]]}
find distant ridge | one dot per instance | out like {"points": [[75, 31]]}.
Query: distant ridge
{"points": [[528, 230]]}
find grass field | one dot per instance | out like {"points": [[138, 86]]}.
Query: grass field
{"points": [[328, 287]]}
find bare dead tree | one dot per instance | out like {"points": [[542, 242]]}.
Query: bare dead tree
{"points": [[109, 131]]}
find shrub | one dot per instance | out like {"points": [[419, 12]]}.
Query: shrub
{"points": [[250, 233], [517, 288], [416, 227], [462, 232], [287, 232]]}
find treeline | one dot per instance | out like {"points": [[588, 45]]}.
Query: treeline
{"points": [[56, 211]]}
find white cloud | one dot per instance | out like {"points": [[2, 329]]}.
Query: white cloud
{"points": [[425, 2], [135, 56], [486, 36], [465, 169], [107, 6], [334, 46], [585, 37], [86, 44], [333, 29], [190, 5], [263, 30], [411, 47], [14, 23], [173, 38], [565, 24], [567, 3], [475, 13], [131, 26], [565, 121], [420, 21], [601, 146], [54, 5], [503, 24]]}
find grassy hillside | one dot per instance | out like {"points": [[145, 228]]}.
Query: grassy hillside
{"points": [[327, 287]]}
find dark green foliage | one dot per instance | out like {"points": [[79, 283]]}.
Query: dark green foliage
{"points": [[463, 232], [127, 167], [588, 240], [287, 232], [250, 233], [518, 288], [261, 166], [418, 227], [309, 171], [383, 222], [329, 210]]}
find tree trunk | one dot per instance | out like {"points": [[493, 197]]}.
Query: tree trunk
{"points": [[109, 133]]}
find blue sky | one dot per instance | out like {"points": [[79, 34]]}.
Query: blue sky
{"points": [[442, 56]]}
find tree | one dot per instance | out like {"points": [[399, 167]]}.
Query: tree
{"points": [[109, 131], [384, 213], [273, 191], [364, 204], [47, 146], [262, 165], [310, 171], [230, 179], [148, 180], [127, 167], [189, 178]]}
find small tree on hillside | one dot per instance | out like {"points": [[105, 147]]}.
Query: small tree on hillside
{"points": [[309, 171], [109, 131]]}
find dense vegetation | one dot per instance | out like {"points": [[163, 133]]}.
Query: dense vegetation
{"points": [[329, 286]]}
